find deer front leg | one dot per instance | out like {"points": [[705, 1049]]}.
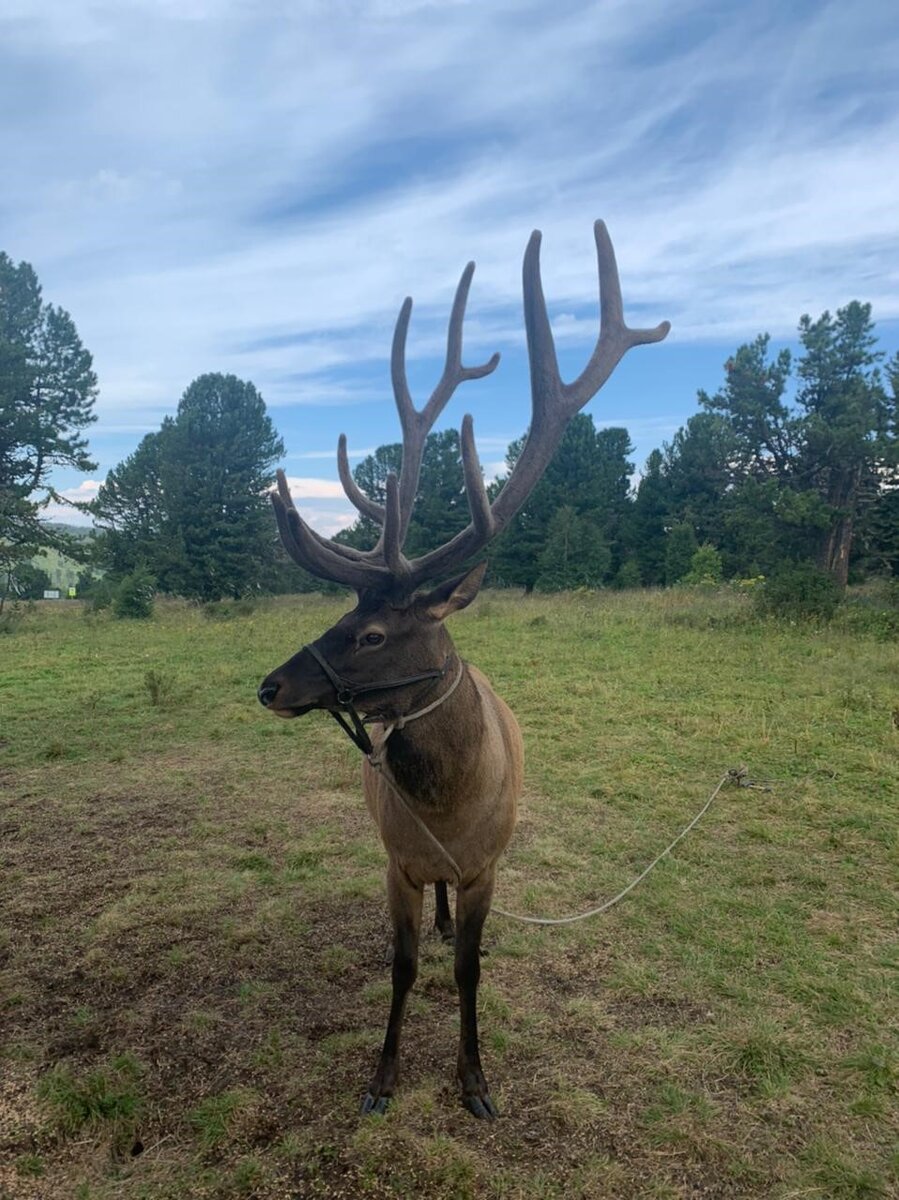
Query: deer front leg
{"points": [[405, 901], [443, 922], [472, 906]]}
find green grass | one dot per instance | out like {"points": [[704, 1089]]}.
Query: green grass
{"points": [[109, 1094], [214, 1117], [193, 930]]}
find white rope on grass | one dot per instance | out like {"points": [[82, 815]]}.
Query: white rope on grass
{"points": [[593, 912], [736, 775]]}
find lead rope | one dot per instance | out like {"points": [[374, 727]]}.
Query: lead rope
{"points": [[733, 776], [377, 760], [736, 776]]}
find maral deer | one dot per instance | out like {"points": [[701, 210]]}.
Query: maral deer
{"points": [[443, 766]]}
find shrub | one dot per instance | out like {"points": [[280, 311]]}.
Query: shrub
{"points": [[95, 590], [627, 575], [799, 592], [133, 597], [100, 595], [872, 612], [705, 567]]}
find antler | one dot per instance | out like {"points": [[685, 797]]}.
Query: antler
{"points": [[553, 401]]}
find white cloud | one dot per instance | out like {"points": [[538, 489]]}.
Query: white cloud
{"points": [[254, 187], [305, 488], [86, 490], [327, 517]]}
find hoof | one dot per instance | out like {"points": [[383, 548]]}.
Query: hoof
{"points": [[373, 1104], [481, 1106]]}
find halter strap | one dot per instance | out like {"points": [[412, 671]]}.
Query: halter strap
{"points": [[347, 691], [358, 734], [400, 722]]}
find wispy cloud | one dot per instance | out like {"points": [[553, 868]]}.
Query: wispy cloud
{"points": [[217, 185]]}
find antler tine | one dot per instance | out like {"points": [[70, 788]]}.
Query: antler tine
{"points": [[316, 554], [401, 395], [475, 492], [392, 533], [454, 372], [477, 533], [349, 552], [366, 506], [417, 424], [554, 403], [544, 365], [615, 338]]}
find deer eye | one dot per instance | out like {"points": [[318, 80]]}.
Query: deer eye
{"points": [[373, 639]]}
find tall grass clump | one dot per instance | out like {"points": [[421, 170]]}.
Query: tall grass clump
{"points": [[11, 619], [229, 610], [106, 1094]]}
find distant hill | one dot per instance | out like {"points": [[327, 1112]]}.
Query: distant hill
{"points": [[78, 531], [63, 571]]}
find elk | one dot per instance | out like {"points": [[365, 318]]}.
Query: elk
{"points": [[443, 762]]}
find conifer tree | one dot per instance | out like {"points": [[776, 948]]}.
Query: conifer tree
{"points": [[191, 502], [47, 393]]}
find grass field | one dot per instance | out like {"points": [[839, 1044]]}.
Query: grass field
{"points": [[193, 987]]}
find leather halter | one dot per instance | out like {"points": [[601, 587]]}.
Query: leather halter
{"points": [[347, 691]]}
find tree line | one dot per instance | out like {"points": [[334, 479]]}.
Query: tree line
{"points": [[787, 462]]}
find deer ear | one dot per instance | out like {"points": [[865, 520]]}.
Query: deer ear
{"points": [[449, 597]]}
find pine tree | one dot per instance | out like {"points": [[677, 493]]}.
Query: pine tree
{"points": [[647, 521], [575, 553], [845, 426], [191, 501], [590, 474], [797, 481], [680, 547], [47, 393]]}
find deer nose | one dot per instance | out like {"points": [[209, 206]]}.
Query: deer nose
{"points": [[267, 693]]}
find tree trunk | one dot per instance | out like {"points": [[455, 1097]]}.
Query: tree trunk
{"points": [[834, 555], [836, 547], [5, 588]]}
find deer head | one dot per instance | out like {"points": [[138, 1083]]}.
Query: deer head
{"points": [[394, 637]]}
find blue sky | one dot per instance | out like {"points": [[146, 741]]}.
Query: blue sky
{"points": [[255, 186]]}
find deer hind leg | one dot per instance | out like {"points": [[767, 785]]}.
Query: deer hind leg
{"points": [[443, 921], [472, 906], [405, 901]]}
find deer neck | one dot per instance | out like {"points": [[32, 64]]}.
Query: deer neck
{"points": [[432, 757]]}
